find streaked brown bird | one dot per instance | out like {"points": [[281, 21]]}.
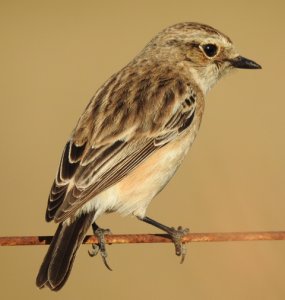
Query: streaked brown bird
{"points": [[132, 137]]}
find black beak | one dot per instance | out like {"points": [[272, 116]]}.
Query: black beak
{"points": [[241, 62]]}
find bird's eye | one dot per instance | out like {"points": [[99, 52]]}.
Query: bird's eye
{"points": [[210, 50]]}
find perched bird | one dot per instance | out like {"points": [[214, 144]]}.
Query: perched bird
{"points": [[132, 137]]}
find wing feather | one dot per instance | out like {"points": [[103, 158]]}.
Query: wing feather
{"points": [[69, 163]]}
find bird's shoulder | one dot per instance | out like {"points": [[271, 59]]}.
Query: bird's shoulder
{"points": [[137, 100]]}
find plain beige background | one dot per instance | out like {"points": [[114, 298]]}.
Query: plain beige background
{"points": [[53, 57]]}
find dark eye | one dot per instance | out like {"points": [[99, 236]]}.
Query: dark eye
{"points": [[210, 49]]}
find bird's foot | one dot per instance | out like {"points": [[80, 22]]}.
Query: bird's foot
{"points": [[101, 246], [177, 236]]}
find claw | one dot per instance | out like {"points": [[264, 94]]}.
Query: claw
{"points": [[106, 263], [94, 251], [101, 246]]}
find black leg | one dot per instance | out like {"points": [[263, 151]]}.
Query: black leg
{"points": [[175, 234], [101, 246]]}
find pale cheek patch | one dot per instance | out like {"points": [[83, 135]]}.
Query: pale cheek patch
{"points": [[205, 78]]}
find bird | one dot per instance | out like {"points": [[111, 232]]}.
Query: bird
{"points": [[131, 139]]}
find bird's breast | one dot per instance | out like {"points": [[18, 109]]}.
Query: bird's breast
{"points": [[136, 190], [133, 194]]}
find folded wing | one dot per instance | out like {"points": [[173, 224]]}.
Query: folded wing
{"points": [[89, 166]]}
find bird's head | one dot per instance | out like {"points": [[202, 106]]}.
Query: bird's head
{"points": [[207, 53]]}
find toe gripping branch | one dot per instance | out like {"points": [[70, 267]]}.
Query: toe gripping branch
{"points": [[176, 236], [101, 246]]}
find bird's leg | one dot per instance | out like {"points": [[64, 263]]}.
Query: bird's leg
{"points": [[101, 246], [175, 234]]}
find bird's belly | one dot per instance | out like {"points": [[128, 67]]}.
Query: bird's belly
{"points": [[135, 191], [133, 194]]}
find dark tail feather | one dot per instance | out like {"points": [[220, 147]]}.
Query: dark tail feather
{"points": [[58, 261]]}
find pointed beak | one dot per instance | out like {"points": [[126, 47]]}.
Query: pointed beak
{"points": [[241, 62]]}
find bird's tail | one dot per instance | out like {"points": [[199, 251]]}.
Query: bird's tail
{"points": [[58, 261]]}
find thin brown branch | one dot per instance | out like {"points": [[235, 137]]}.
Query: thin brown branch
{"points": [[152, 238]]}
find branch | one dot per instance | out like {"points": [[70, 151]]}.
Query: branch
{"points": [[152, 238]]}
